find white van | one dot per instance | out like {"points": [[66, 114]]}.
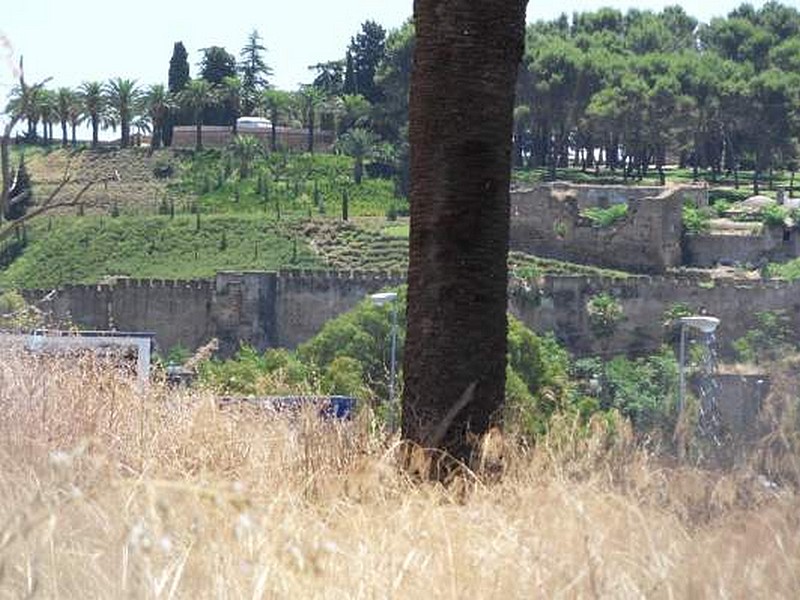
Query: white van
{"points": [[245, 124]]}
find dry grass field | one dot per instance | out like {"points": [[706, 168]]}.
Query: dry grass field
{"points": [[106, 492]]}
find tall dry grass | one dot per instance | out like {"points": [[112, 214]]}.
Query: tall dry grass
{"points": [[107, 492]]}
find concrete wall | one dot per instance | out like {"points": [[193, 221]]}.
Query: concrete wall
{"points": [[546, 220]]}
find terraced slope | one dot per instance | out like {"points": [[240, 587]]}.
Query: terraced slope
{"points": [[345, 245], [134, 187]]}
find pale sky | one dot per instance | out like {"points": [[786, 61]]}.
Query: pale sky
{"points": [[80, 40]]}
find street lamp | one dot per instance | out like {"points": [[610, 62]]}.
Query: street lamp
{"points": [[701, 323], [380, 299]]}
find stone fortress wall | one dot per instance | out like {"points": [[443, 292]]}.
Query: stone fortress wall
{"points": [[284, 309], [262, 309]]}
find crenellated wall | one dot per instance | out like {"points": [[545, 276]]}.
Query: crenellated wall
{"points": [[559, 304], [287, 308], [307, 300], [262, 309]]}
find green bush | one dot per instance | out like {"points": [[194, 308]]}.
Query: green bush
{"points": [[363, 335], [605, 217], [15, 313], [277, 371], [727, 195], [344, 376], [643, 390], [774, 216], [238, 375], [537, 380], [605, 313], [772, 336], [721, 207], [695, 220]]}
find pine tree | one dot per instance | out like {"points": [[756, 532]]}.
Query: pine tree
{"points": [[254, 72], [368, 49]]}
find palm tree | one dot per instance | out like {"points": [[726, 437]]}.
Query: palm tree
{"points": [[24, 104], [75, 116], [47, 102], [64, 104], [158, 104], [30, 106], [124, 102], [360, 144], [354, 112], [274, 103], [311, 100], [230, 93], [461, 104], [196, 96], [245, 149], [94, 106]]}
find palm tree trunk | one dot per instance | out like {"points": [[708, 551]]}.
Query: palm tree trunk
{"points": [[462, 99], [73, 136], [64, 141], [95, 128], [311, 132], [199, 135], [358, 170]]}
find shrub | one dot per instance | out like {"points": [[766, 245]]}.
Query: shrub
{"points": [[344, 376], [695, 220], [605, 312], [721, 207], [163, 169], [606, 217], [770, 338], [15, 313], [644, 390], [774, 216], [537, 381]]}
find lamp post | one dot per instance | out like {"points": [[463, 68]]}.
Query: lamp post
{"points": [[701, 323], [380, 299]]}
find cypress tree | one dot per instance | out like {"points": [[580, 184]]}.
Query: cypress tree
{"points": [[177, 80]]}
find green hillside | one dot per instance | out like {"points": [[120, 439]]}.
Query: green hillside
{"points": [[87, 249]]}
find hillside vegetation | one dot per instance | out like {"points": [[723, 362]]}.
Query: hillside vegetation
{"points": [[87, 249]]}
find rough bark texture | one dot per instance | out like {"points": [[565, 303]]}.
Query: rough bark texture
{"points": [[462, 99]]}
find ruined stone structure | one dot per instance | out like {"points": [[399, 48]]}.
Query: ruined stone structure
{"points": [[774, 244], [287, 308], [550, 220], [547, 221]]}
